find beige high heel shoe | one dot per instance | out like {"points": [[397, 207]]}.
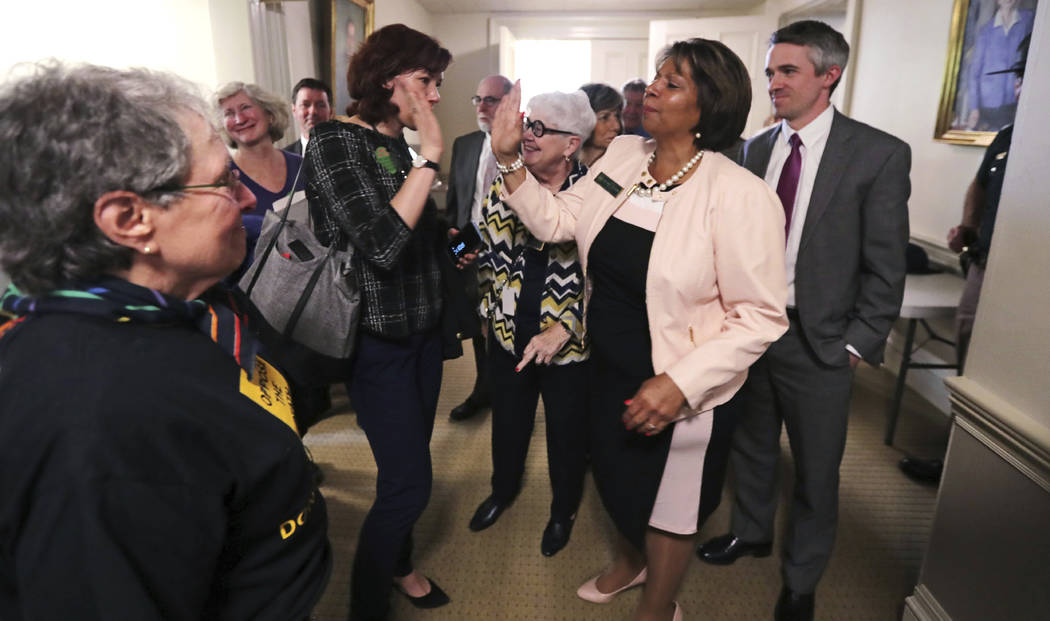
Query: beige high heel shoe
{"points": [[589, 591]]}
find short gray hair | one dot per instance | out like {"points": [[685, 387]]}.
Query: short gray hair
{"points": [[570, 112], [826, 46], [276, 109], [68, 135], [636, 85]]}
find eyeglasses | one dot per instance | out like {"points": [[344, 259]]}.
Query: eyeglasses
{"points": [[231, 180], [539, 129], [487, 100]]}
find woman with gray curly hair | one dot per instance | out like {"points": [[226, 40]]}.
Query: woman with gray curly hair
{"points": [[252, 120], [149, 464], [531, 305]]}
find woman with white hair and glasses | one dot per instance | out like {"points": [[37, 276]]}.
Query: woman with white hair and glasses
{"points": [[252, 120], [149, 463], [532, 296]]}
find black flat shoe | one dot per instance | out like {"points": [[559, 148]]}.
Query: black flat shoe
{"points": [[487, 513], [555, 536], [434, 599], [725, 550]]}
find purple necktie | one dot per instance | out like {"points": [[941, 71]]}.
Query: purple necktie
{"points": [[787, 187]]}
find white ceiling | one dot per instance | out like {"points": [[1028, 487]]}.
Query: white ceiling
{"points": [[590, 6]]}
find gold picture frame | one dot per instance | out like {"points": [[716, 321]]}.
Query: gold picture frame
{"points": [[978, 38], [343, 41]]}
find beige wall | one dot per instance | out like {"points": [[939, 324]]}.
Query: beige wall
{"points": [[407, 12], [1010, 352], [466, 36], [205, 41], [900, 59]]}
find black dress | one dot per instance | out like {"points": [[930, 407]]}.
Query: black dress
{"points": [[627, 465]]}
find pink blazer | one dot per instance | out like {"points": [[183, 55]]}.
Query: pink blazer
{"points": [[716, 288]]}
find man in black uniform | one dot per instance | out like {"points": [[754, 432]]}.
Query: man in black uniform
{"points": [[973, 238]]}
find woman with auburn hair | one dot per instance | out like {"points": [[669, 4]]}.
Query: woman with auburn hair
{"points": [[365, 188], [684, 255]]}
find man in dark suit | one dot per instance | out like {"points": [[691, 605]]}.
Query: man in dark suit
{"points": [[845, 187], [473, 170], [311, 104]]}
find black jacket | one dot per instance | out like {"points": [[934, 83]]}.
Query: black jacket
{"points": [[139, 482]]}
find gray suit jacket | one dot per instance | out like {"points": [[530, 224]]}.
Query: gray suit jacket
{"points": [[463, 176], [849, 276]]}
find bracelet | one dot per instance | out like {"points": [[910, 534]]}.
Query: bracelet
{"points": [[517, 164]]}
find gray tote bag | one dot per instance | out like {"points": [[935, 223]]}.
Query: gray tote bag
{"points": [[307, 304]]}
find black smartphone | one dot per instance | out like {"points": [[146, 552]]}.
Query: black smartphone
{"points": [[300, 250], [467, 240]]}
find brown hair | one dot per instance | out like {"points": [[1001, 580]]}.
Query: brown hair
{"points": [[723, 89], [386, 53]]}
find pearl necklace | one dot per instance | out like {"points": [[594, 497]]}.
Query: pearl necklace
{"points": [[647, 192]]}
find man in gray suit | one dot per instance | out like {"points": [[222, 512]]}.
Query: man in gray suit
{"points": [[473, 170], [845, 187], [311, 104]]}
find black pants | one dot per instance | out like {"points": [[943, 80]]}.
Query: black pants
{"points": [[514, 399], [481, 367], [394, 390]]}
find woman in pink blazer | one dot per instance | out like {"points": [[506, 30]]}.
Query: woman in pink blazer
{"points": [[683, 251]]}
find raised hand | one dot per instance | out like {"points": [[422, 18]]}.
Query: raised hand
{"points": [[506, 126], [421, 113]]}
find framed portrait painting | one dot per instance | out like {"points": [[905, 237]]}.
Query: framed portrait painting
{"points": [[979, 94], [352, 21]]}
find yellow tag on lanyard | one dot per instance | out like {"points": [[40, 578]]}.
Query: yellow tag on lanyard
{"points": [[268, 388]]}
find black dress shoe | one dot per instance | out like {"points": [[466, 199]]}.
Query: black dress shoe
{"points": [[555, 536], [725, 550], [487, 513], [435, 598], [794, 606], [470, 407], [922, 470]]}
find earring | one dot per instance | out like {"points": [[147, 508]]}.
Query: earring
{"points": [[697, 134], [146, 250], [567, 158]]}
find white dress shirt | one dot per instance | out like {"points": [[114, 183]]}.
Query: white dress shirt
{"points": [[483, 181], [814, 137]]}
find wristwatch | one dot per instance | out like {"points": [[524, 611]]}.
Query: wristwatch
{"points": [[422, 162]]}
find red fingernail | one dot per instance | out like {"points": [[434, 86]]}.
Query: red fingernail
{"points": [[627, 402]]}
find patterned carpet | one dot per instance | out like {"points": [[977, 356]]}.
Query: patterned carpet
{"points": [[500, 573]]}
